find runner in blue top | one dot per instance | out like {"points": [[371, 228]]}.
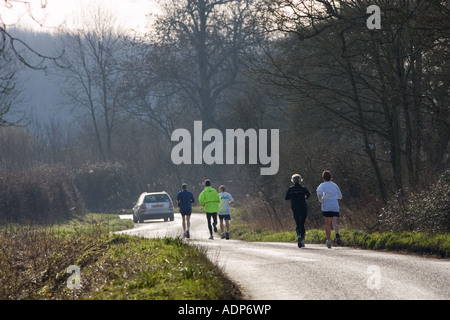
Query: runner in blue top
{"points": [[185, 200], [224, 211]]}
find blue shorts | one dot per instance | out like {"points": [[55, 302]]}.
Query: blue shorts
{"points": [[186, 212], [330, 214], [224, 216]]}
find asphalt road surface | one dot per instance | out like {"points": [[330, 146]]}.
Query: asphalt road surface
{"points": [[282, 271]]}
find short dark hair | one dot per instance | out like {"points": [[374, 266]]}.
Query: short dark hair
{"points": [[326, 175], [222, 187], [207, 182]]}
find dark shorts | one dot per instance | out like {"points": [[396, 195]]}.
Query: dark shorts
{"points": [[186, 212], [330, 214], [224, 216]]}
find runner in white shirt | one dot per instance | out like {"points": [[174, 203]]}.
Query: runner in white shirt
{"points": [[329, 193], [224, 211]]}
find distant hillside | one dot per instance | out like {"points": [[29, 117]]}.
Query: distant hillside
{"points": [[40, 93]]}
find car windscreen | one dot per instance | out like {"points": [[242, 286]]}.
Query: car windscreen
{"points": [[156, 198]]}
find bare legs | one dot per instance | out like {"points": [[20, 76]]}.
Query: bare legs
{"points": [[328, 222], [328, 228], [186, 222], [227, 225]]}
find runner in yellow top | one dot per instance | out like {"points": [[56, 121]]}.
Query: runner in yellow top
{"points": [[209, 198]]}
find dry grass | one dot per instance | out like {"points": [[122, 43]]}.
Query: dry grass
{"points": [[34, 262]]}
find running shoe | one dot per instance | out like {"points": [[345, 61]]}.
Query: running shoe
{"points": [[303, 243], [299, 241], [223, 235], [187, 234], [211, 237], [227, 235], [328, 244], [338, 239]]}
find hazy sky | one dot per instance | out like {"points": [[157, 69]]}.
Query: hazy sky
{"points": [[131, 13]]}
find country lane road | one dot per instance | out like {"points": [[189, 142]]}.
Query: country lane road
{"points": [[282, 271]]}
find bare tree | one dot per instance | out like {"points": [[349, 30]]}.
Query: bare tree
{"points": [[383, 84], [198, 49], [14, 54], [92, 74], [9, 90]]}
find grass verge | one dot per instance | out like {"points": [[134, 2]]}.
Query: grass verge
{"points": [[409, 242], [34, 262]]}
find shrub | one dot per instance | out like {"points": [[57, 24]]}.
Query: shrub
{"points": [[425, 211], [105, 186], [39, 194]]}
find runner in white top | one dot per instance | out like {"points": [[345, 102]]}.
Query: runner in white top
{"points": [[226, 200], [329, 193]]}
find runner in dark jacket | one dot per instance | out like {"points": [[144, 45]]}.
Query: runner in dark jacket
{"points": [[298, 195], [185, 199]]}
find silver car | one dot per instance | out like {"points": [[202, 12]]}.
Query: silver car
{"points": [[154, 205]]}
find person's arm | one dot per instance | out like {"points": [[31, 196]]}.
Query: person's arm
{"points": [[192, 198], [201, 199], [231, 199], [288, 195], [339, 194], [307, 193], [319, 193]]}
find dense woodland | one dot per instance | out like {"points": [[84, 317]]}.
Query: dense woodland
{"points": [[372, 106]]}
